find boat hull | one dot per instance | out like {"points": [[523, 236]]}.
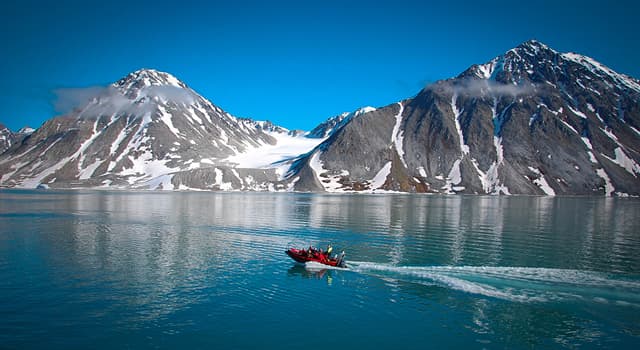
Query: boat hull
{"points": [[304, 256]]}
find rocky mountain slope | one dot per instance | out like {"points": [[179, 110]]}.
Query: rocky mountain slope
{"points": [[148, 130], [531, 121]]}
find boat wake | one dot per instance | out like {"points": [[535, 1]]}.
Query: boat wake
{"points": [[519, 284], [314, 266]]}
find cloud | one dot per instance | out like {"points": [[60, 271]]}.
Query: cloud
{"points": [[170, 93], [109, 100], [68, 99], [487, 88]]}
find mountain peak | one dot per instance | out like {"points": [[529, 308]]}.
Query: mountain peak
{"points": [[537, 53], [148, 77], [520, 58], [533, 44], [533, 49], [26, 130], [333, 124], [145, 83]]}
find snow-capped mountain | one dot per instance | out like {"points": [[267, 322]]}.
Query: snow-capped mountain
{"points": [[26, 131], [9, 138], [530, 121], [144, 131], [329, 126]]}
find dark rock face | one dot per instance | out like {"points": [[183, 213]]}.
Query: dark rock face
{"points": [[6, 138], [531, 121]]}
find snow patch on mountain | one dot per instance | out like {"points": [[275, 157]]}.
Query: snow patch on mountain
{"points": [[624, 161], [492, 181], [608, 186], [330, 182], [26, 130], [578, 113], [456, 115], [145, 168], [541, 182], [397, 135], [267, 156], [381, 177], [453, 179], [587, 143], [36, 180]]}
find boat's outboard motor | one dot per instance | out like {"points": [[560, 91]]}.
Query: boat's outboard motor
{"points": [[340, 262]]}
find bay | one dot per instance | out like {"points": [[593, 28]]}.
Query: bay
{"points": [[104, 269]]}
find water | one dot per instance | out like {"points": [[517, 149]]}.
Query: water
{"points": [[208, 270]]}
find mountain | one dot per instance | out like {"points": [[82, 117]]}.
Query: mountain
{"points": [[147, 130], [9, 138], [329, 126], [530, 121]]}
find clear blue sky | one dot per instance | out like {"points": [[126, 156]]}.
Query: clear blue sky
{"points": [[292, 62]]}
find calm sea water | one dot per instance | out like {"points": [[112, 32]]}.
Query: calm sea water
{"points": [[208, 270]]}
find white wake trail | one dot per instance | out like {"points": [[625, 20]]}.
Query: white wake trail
{"points": [[518, 284]]}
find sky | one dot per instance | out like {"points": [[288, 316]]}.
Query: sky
{"points": [[295, 63]]}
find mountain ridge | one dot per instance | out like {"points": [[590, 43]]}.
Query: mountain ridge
{"points": [[481, 132], [144, 126], [529, 121]]}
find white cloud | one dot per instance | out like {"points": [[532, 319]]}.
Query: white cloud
{"points": [[483, 88], [109, 100]]}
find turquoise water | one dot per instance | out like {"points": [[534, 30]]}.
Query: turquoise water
{"points": [[208, 270]]}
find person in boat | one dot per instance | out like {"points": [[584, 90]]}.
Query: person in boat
{"points": [[329, 250]]}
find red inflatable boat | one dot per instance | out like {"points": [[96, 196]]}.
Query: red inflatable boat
{"points": [[315, 255]]}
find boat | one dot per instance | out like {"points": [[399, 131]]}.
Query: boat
{"points": [[316, 255]]}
